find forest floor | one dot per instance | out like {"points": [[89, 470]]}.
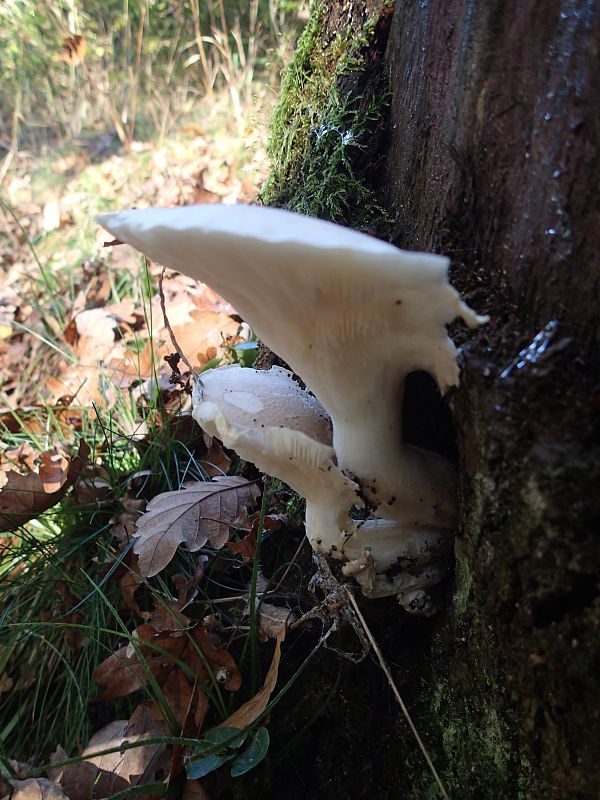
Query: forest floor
{"points": [[93, 652]]}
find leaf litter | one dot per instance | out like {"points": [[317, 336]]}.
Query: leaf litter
{"points": [[71, 342]]}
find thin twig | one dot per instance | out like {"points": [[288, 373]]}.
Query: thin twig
{"points": [[168, 325], [394, 688], [290, 565]]}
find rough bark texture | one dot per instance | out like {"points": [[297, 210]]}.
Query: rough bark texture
{"points": [[492, 157], [494, 160]]}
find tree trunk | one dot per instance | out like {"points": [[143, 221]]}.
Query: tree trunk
{"points": [[490, 155]]}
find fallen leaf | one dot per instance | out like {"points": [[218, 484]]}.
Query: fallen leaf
{"points": [[253, 708], [132, 763], [120, 674], [169, 618], [133, 367], [246, 547], [53, 471], [84, 781], [95, 334], [71, 334], [72, 49], [272, 620], [162, 653], [37, 789], [25, 456], [129, 583], [197, 513], [39, 419], [178, 694], [25, 496], [122, 526], [221, 662]]}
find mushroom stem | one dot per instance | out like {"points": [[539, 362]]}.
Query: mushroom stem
{"points": [[417, 484]]}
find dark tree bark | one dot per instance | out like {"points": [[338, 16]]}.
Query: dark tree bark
{"points": [[492, 157], [494, 161]]}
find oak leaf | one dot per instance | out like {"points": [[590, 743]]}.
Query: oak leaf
{"points": [[161, 654], [198, 513], [25, 496]]}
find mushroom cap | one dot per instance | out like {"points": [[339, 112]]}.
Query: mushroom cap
{"points": [[252, 398], [351, 315], [269, 420], [285, 273]]}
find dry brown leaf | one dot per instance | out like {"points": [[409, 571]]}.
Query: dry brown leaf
{"points": [[95, 334], [246, 547], [95, 287], [72, 49], [37, 789], [178, 693], [221, 662], [122, 526], [216, 461], [169, 619], [202, 338], [53, 471], [129, 583], [120, 674], [123, 673], [84, 781], [70, 333], [200, 512], [272, 620], [25, 496], [131, 764], [25, 457], [38, 419], [253, 708], [133, 367]]}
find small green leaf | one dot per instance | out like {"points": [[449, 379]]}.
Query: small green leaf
{"points": [[202, 766], [214, 362], [245, 353], [232, 738], [220, 740], [218, 746], [253, 754]]}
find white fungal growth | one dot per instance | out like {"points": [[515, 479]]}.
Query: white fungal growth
{"points": [[352, 316]]}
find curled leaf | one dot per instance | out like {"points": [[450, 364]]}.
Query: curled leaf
{"points": [[253, 708]]}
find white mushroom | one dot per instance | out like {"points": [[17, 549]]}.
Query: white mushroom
{"points": [[269, 420], [350, 314]]}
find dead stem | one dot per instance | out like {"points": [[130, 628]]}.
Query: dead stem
{"points": [[168, 325], [388, 675]]}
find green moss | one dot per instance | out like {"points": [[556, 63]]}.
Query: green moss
{"points": [[319, 133]]}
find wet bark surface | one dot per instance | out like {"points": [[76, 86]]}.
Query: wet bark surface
{"points": [[494, 161], [492, 158]]}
